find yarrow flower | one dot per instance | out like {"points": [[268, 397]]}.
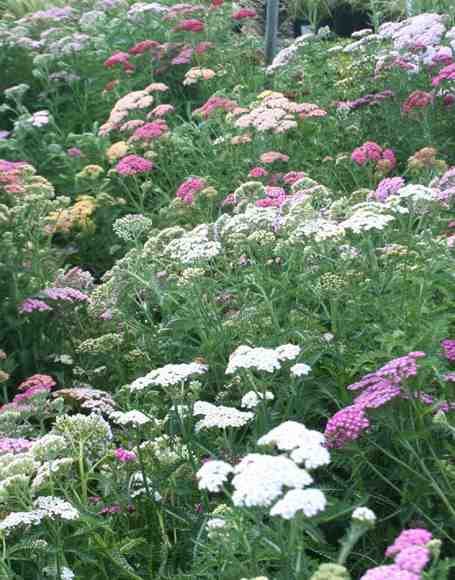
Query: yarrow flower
{"points": [[189, 188], [220, 417], [133, 165], [244, 13], [300, 370], [272, 156], [190, 25], [262, 359], [369, 151], [121, 58], [346, 425], [364, 515], [407, 538], [195, 74], [33, 304], [448, 346], [387, 187], [305, 445], [134, 418], [171, 374], [213, 474], [260, 479], [417, 100], [124, 455], [309, 501], [410, 553], [252, 399], [150, 131]]}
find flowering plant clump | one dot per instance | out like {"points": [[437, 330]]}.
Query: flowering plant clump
{"points": [[226, 291]]}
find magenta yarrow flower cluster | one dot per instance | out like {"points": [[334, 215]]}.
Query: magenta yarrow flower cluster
{"points": [[448, 346], [150, 131], [125, 456], [371, 152], [377, 388], [213, 105], [365, 101], [410, 553], [133, 165], [190, 25], [189, 188], [387, 187], [65, 294], [30, 305]]}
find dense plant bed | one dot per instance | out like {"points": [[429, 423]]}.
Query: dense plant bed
{"points": [[227, 337]]}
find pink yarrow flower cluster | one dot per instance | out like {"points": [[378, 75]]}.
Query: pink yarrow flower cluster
{"points": [[214, 104], [119, 58], [273, 156], [190, 25], [65, 294], [133, 165], [150, 131], [14, 445], [417, 100], [387, 187], [125, 456], [30, 305], [372, 152], [448, 346], [38, 380], [377, 388], [188, 189], [445, 74], [244, 13], [410, 553]]}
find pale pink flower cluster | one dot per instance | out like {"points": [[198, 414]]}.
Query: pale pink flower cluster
{"points": [[196, 74], [410, 553], [415, 32], [276, 113], [130, 102]]}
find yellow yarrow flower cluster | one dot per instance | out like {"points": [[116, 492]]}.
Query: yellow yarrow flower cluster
{"points": [[78, 216]]}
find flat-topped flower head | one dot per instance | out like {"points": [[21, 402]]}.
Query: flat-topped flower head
{"points": [[260, 479], [213, 474], [252, 399], [306, 446], [133, 165], [219, 416], [308, 501], [130, 418], [169, 375], [261, 359], [412, 537]]}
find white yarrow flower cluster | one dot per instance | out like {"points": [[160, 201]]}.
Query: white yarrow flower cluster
{"points": [[365, 219], [213, 474], [364, 515], [219, 416], [45, 507], [300, 370], [261, 359], [260, 479], [168, 375], [56, 508], [309, 501], [193, 246], [252, 399], [16, 520], [305, 445], [133, 418]]}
